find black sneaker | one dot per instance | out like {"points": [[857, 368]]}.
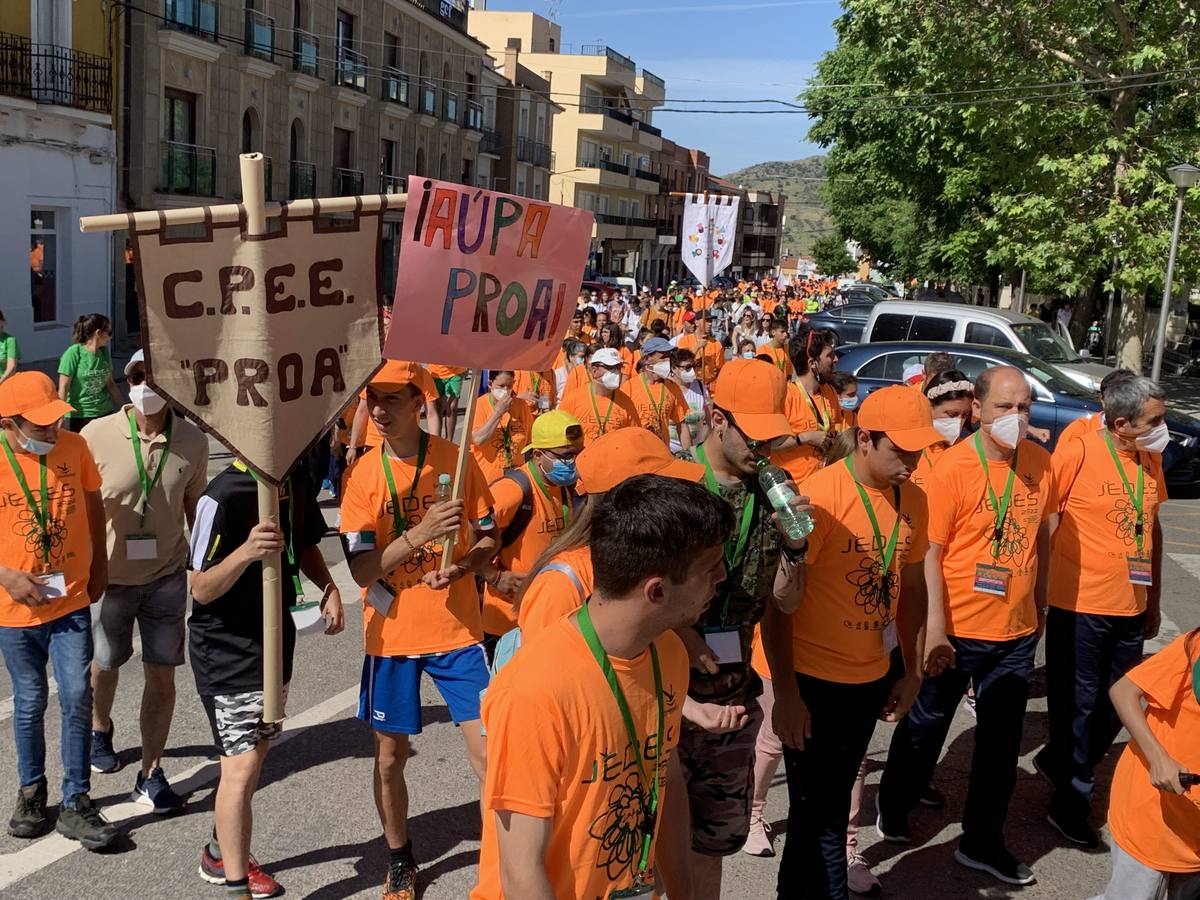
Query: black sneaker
{"points": [[932, 797], [1074, 828], [401, 882], [84, 823], [893, 829], [104, 757], [156, 792], [29, 818], [999, 864]]}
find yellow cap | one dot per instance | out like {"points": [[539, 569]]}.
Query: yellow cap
{"points": [[554, 429]]}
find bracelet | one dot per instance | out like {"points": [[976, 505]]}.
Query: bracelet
{"points": [[793, 557], [494, 582], [412, 548]]}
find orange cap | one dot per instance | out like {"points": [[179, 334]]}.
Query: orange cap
{"points": [[755, 392], [901, 413], [31, 396], [393, 374], [621, 454]]}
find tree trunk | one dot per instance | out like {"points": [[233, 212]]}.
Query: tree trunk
{"points": [[1129, 335]]}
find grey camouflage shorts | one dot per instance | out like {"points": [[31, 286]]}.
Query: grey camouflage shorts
{"points": [[236, 721]]}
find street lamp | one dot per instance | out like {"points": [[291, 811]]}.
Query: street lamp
{"points": [[1183, 177]]}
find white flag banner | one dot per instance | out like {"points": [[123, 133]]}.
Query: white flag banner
{"points": [[709, 233]]}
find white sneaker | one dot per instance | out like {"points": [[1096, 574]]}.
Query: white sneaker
{"points": [[859, 877], [758, 843]]}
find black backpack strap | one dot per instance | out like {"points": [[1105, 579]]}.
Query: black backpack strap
{"points": [[524, 514]]}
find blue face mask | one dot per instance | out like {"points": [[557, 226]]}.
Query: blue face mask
{"points": [[562, 473], [848, 402]]}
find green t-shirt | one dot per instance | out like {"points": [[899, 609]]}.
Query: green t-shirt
{"points": [[8, 349], [89, 373]]}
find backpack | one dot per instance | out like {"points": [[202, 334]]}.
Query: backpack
{"points": [[510, 642], [524, 513]]}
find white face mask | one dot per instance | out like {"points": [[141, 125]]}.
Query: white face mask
{"points": [[1009, 430], [1155, 440], [687, 374], [501, 393], [146, 400], [610, 380], [949, 429], [662, 369], [35, 447]]}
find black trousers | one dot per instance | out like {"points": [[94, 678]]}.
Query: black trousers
{"points": [[1001, 672], [1086, 654]]}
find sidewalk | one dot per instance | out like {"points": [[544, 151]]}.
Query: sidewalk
{"points": [[1183, 394]]}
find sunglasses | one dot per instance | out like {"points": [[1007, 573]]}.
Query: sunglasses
{"points": [[767, 446]]}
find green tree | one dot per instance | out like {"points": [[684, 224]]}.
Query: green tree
{"points": [[973, 136], [830, 255]]}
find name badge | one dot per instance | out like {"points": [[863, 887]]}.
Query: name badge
{"points": [[1141, 570], [54, 585], [380, 596], [141, 546], [726, 643], [992, 579]]}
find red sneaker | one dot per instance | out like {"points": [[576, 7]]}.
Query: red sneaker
{"points": [[262, 885]]}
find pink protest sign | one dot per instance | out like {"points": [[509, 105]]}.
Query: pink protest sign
{"points": [[485, 280]]}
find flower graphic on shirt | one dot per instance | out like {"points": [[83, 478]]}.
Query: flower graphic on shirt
{"points": [[619, 828], [418, 560], [1124, 519], [1014, 540], [48, 550], [873, 591]]}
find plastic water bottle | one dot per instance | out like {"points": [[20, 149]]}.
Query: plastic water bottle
{"points": [[774, 481], [444, 491]]}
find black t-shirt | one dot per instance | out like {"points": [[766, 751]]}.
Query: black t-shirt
{"points": [[225, 636]]}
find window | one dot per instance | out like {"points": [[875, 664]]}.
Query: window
{"points": [[931, 328], [344, 34], [388, 157], [342, 140], [180, 118], [972, 366], [43, 265], [891, 327], [391, 50], [249, 130], [978, 333]]}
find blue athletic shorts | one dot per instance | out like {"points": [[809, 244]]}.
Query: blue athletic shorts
{"points": [[390, 695]]}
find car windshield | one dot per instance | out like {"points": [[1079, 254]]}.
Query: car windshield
{"points": [[1057, 381], [1041, 341]]}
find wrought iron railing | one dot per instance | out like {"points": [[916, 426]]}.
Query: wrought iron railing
{"points": [[189, 169], [48, 73], [490, 142], [347, 182], [533, 152], [302, 180], [604, 50], [306, 53]]}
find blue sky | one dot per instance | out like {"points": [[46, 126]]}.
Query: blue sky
{"points": [[704, 49]]}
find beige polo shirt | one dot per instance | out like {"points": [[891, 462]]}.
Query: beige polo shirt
{"points": [[184, 477]]}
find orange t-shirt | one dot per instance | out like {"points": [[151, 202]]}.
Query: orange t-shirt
{"points": [[837, 633], [540, 384], [779, 355], [709, 358], [599, 415], [962, 520], [550, 516], [558, 749], [578, 377], [444, 372], [553, 593], [419, 620], [659, 406], [629, 358], [504, 449], [821, 412], [1095, 534], [70, 471], [1159, 829], [923, 471], [1077, 428]]}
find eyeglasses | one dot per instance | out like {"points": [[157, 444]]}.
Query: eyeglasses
{"points": [[767, 446], [136, 377], [565, 457]]}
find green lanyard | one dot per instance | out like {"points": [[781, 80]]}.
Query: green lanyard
{"points": [[612, 401], [662, 398], [823, 421], [536, 381], [886, 551], [41, 515], [148, 483], [399, 520], [1196, 680], [649, 788], [566, 507], [289, 545], [734, 552], [999, 505], [1137, 499]]}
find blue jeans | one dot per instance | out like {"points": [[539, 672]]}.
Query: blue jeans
{"points": [[67, 644]]}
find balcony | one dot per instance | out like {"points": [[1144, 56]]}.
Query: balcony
{"points": [[622, 117], [610, 219], [474, 116], [603, 50], [395, 85], [350, 70], [189, 169], [490, 143], [533, 152], [306, 53], [428, 99], [649, 129], [634, 222], [260, 35], [653, 79], [302, 180], [450, 107], [347, 182], [647, 176], [198, 17], [392, 184], [51, 74]]}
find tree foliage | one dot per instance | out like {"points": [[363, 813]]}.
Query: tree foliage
{"points": [[973, 136], [830, 255]]}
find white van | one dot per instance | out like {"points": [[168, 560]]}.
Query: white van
{"points": [[902, 320], [630, 285]]}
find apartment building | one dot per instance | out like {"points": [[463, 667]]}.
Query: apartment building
{"points": [[57, 164], [602, 140], [760, 229], [681, 170], [342, 97]]}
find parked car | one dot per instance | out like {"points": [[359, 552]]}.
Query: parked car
{"points": [[1057, 398], [907, 320], [846, 321], [863, 293], [873, 286], [935, 295]]}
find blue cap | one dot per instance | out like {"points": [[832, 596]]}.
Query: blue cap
{"points": [[656, 345]]}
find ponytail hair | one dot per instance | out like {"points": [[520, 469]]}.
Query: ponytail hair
{"points": [[86, 326]]}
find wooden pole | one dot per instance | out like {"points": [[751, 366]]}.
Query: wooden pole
{"points": [[471, 388], [268, 496]]}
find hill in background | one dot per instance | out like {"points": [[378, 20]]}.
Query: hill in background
{"points": [[800, 180]]}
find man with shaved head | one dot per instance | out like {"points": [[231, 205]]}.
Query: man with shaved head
{"points": [[990, 500]]}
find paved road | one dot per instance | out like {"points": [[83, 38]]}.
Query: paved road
{"points": [[317, 829]]}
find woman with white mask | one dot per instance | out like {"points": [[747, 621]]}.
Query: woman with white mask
{"points": [[950, 394], [501, 427], [683, 373]]}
